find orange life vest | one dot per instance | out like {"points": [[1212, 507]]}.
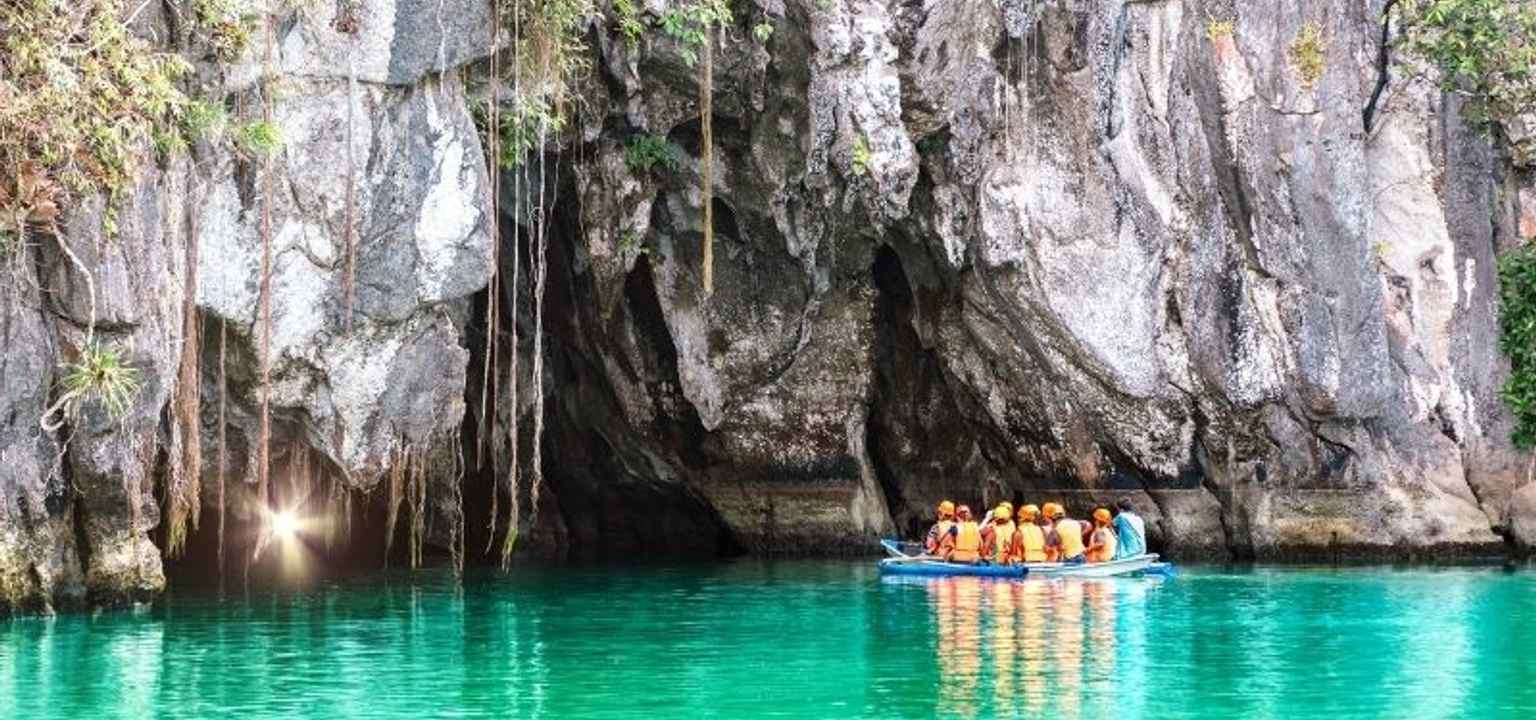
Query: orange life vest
{"points": [[1071, 534], [1002, 541], [1107, 552], [936, 535], [1032, 543], [967, 547]]}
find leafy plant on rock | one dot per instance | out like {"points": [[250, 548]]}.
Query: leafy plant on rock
{"points": [[1485, 51], [1517, 338], [99, 374], [644, 152]]}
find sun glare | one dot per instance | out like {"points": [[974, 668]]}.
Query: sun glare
{"points": [[284, 525]]}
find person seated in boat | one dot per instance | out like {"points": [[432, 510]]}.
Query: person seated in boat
{"points": [[1101, 545], [997, 536], [963, 542], [1069, 538], [1029, 537], [1130, 530], [941, 527], [1052, 540]]}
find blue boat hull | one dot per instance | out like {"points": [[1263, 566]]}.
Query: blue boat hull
{"points": [[934, 568]]}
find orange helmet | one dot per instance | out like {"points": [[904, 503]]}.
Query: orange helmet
{"points": [[1101, 516], [1028, 512], [946, 509], [1053, 510]]}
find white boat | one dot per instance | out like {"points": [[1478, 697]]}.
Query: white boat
{"points": [[1113, 568]]}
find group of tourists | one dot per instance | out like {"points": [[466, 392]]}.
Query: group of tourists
{"points": [[1040, 535]]}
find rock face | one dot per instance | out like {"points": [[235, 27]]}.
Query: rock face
{"points": [[1080, 250], [1003, 249]]}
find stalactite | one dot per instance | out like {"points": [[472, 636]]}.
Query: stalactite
{"points": [[707, 154], [418, 497], [395, 491], [184, 490]]}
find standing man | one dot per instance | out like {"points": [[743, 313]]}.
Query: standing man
{"points": [[1131, 529]]}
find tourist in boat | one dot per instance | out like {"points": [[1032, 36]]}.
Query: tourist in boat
{"points": [[1052, 540], [963, 542], [941, 527], [1101, 545], [1130, 530], [1029, 537], [1069, 538], [997, 536]]}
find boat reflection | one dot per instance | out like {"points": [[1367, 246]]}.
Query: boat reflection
{"points": [[1034, 646]]}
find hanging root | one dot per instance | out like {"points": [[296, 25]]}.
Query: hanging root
{"points": [[264, 426], [223, 438], [183, 492], [395, 489], [707, 155]]}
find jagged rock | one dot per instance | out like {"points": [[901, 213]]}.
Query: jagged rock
{"points": [[986, 250]]}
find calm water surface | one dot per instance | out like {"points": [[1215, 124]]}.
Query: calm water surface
{"points": [[800, 639]]}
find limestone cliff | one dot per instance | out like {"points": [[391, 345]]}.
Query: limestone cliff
{"points": [[997, 249]]}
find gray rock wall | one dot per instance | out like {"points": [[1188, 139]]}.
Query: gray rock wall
{"points": [[1063, 249]]}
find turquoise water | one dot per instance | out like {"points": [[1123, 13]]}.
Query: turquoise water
{"points": [[800, 639]]}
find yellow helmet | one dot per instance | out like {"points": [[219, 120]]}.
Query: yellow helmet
{"points": [[1002, 512], [946, 509], [1028, 512], [1101, 516]]}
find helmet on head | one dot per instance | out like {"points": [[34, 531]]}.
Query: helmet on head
{"points": [[1028, 512], [1002, 513], [1052, 511], [1101, 516], [946, 509]]}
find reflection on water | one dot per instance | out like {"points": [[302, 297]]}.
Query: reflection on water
{"points": [[1034, 645], [795, 640]]}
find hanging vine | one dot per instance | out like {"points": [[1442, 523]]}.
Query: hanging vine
{"points": [[693, 25], [223, 437], [183, 491], [264, 426]]}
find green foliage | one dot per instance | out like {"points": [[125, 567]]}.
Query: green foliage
{"points": [[204, 120], [861, 156], [762, 31], [630, 241], [82, 100], [1517, 338], [644, 152], [522, 126], [551, 50], [259, 139], [224, 26], [627, 18], [1308, 55], [1216, 29], [689, 25], [101, 375], [1485, 50]]}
